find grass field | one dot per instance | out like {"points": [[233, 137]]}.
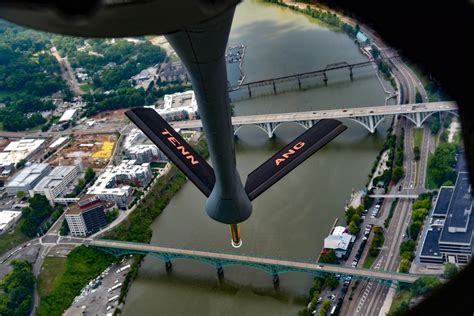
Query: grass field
{"points": [[86, 87], [418, 137], [52, 268], [369, 261], [401, 297], [9, 240]]}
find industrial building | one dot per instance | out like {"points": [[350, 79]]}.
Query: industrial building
{"points": [[449, 237], [114, 183], [86, 216], [17, 151], [27, 178], [8, 219], [68, 115], [56, 182]]}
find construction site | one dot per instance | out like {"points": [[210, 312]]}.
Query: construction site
{"points": [[94, 150]]}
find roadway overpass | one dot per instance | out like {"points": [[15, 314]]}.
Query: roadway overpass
{"points": [[271, 266], [369, 117]]}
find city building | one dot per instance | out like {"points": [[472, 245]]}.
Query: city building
{"points": [[137, 147], [340, 241], [178, 106], [68, 115], [174, 72], [115, 183], [449, 237], [56, 182], [27, 178], [18, 150], [86, 216], [8, 219]]}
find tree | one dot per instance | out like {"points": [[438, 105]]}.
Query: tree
{"points": [[2, 183], [425, 284], [20, 164], [330, 282], [328, 257], [326, 304], [418, 98], [407, 246], [354, 228], [416, 152], [450, 270], [89, 175], [404, 265], [397, 174], [20, 194], [415, 228]]}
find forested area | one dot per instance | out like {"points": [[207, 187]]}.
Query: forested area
{"points": [[16, 289], [28, 73], [442, 166]]}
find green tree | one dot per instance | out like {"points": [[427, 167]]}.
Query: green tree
{"points": [[2, 183], [416, 152], [328, 257], [405, 265], [325, 305], [354, 228], [397, 174], [418, 98], [89, 175], [425, 284], [20, 194], [20, 164], [450, 270], [415, 228]]}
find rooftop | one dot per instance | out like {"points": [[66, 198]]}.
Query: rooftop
{"points": [[459, 224], [442, 202], [337, 241], [430, 244], [54, 178], [58, 142], [28, 175], [68, 115], [85, 204]]}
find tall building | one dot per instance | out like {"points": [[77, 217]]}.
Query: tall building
{"points": [[450, 235], [86, 216], [27, 178], [137, 147]]}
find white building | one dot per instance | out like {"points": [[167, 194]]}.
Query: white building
{"points": [[56, 182], [86, 216], [339, 241], [135, 148], [68, 115], [58, 142], [180, 105], [114, 183], [27, 178], [18, 150], [8, 219]]}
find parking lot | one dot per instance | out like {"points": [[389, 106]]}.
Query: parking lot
{"points": [[100, 296]]}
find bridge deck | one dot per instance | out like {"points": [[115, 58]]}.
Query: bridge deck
{"points": [[329, 114], [408, 278]]}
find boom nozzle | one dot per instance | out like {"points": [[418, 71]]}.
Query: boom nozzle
{"points": [[235, 234]]}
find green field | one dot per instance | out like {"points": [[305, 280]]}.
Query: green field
{"points": [[9, 240], [50, 271], [86, 87], [369, 261], [418, 137], [400, 298]]}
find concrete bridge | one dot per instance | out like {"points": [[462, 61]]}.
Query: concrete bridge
{"points": [[271, 266], [369, 117]]}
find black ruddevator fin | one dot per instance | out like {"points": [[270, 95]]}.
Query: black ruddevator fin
{"points": [[174, 147], [292, 155]]}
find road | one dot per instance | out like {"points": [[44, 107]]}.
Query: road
{"points": [[67, 73]]}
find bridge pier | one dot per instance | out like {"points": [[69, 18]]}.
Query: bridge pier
{"points": [[220, 272], [275, 278], [325, 78], [299, 83], [274, 87], [168, 265], [369, 122], [250, 92], [350, 73]]}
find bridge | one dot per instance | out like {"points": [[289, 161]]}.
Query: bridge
{"points": [[369, 117], [218, 260], [394, 196], [273, 82], [66, 200]]}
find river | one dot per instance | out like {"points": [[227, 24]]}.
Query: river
{"points": [[292, 218]]}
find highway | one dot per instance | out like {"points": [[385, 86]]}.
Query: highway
{"points": [[329, 114]]}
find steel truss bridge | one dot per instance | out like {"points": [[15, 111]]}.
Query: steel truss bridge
{"points": [[369, 117], [305, 75], [274, 267]]}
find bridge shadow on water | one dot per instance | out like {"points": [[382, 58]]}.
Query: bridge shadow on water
{"points": [[235, 281]]}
